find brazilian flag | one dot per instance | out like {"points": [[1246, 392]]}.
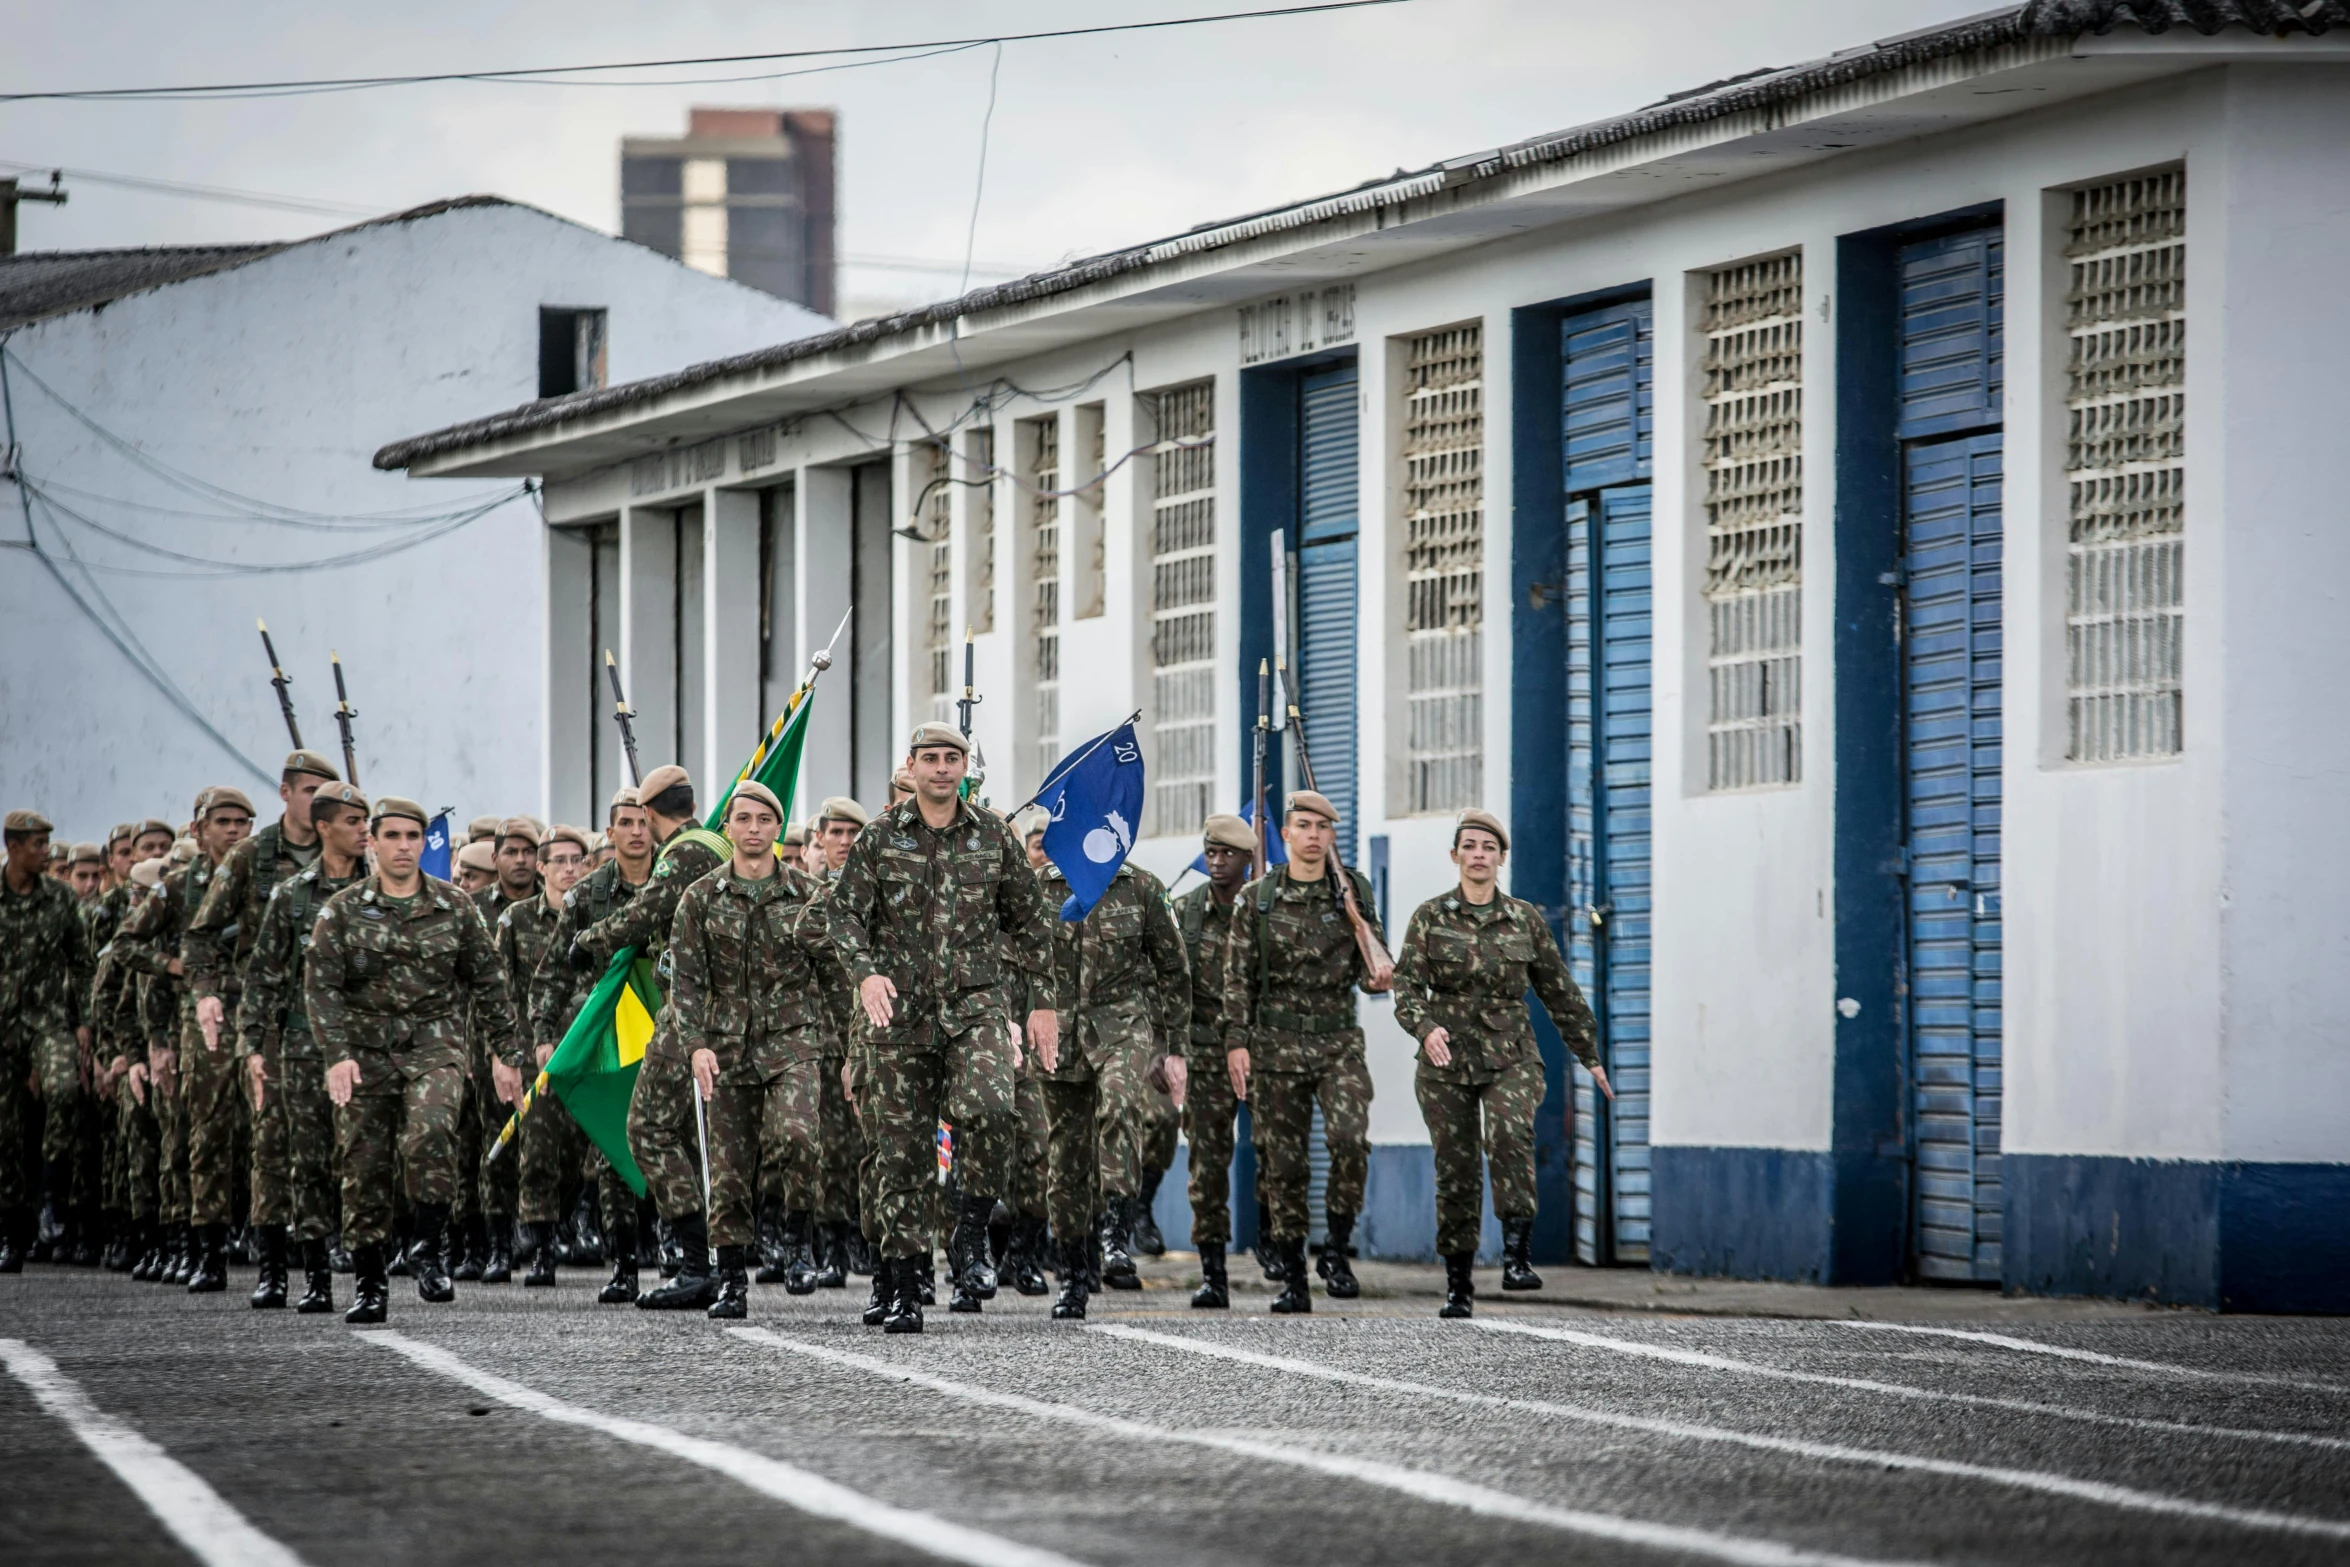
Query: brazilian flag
{"points": [[594, 1070]]}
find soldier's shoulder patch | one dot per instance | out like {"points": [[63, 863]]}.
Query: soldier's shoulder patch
{"points": [[665, 868]]}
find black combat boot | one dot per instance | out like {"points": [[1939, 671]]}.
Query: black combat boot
{"points": [[832, 1255], [857, 1251], [1338, 1275], [773, 1254], [1268, 1254], [734, 1285], [799, 1253], [89, 1229], [396, 1249], [1214, 1291], [53, 1239], [1460, 1285], [497, 1257], [906, 1300], [926, 1277], [1517, 1255], [1075, 1260], [1024, 1258], [468, 1242], [583, 1237], [620, 1245], [672, 1250], [1117, 1265], [371, 1290], [1143, 1237], [120, 1252], [1294, 1300], [183, 1256], [694, 1286], [210, 1275], [150, 1261], [544, 1258], [970, 1262], [318, 1281], [877, 1307], [338, 1256], [428, 1255], [269, 1291]]}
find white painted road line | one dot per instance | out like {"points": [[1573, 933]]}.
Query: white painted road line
{"points": [[794, 1487], [1827, 1452], [1427, 1487], [2019, 1406], [197, 1516], [2092, 1357]]}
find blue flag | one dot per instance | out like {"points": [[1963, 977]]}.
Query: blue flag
{"points": [[1095, 797], [1276, 852], [435, 860]]}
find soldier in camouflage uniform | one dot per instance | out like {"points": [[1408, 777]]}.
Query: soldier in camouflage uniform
{"points": [[274, 1025], [837, 1243], [395, 960], [217, 946], [1290, 969], [1122, 993], [1204, 916], [488, 1188], [45, 970], [934, 900], [661, 1128], [1469, 957], [747, 973], [557, 993], [522, 932]]}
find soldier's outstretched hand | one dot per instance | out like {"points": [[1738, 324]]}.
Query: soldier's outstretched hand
{"points": [[210, 1012], [877, 993], [1044, 1033], [342, 1081]]}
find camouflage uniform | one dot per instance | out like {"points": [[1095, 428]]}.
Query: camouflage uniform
{"points": [[550, 1153], [1028, 1187], [155, 927], [387, 985], [1209, 1109], [1467, 968], [489, 1187], [1290, 967], [522, 933], [214, 948], [1123, 993], [840, 1146], [939, 911], [747, 967], [96, 1174], [45, 968], [273, 1023]]}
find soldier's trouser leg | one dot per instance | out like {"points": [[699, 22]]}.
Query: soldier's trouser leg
{"points": [[309, 1120], [1124, 1102], [553, 1149], [615, 1203], [273, 1197], [15, 1111], [1031, 1167], [57, 1061], [791, 1136], [171, 1151], [1159, 1130], [979, 1105], [470, 1101], [1072, 1152], [869, 1150], [1208, 1112], [672, 1165], [367, 1138], [1281, 1121], [737, 1132], [499, 1180], [903, 1088], [1453, 1110], [430, 1157], [208, 1093], [1344, 1089], [836, 1196], [1511, 1103]]}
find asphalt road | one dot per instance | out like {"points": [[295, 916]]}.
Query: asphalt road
{"points": [[138, 1424]]}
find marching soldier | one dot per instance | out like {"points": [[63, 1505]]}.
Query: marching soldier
{"points": [[218, 942], [522, 931], [45, 970], [557, 993], [474, 867], [85, 872], [1469, 957], [661, 1113], [834, 1232], [394, 961], [1119, 987], [1204, 915], [934, 899], [274, 1024], [1290, 967], [488, 1191]]}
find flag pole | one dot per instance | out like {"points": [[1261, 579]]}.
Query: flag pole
{"points": [[702, 1130]]}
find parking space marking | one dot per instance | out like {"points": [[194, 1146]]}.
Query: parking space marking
{"points": [[2090, 1356]]}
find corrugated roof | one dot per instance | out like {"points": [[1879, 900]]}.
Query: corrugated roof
{"points": [[1758, 90]]}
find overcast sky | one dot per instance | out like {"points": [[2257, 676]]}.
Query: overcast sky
{"points": [[1095, 143]]}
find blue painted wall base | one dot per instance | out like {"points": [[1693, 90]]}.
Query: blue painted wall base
{"points": [[1741, 1213], [1398, 1223]]}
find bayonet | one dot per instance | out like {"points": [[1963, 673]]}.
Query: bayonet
{"points": [[622, 713], [280, 679], [344, 713], [1376, 959]]}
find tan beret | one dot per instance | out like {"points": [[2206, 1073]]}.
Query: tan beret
{"points": [[87, 854], [223, 797], [152, 824], [312, 763], [795, 836], [149, 872], [334, 794], [759, 792], [1223, 831], [393, 805], [621, 796], [28, 821], [935, 733], [60, 853], [1313, 801], [125, 830], [1031, 821], [840, 808], [902, 781], [1476, 817], [482, 827], [560, 833], [522, 827], [662, 779], [478, 856], [182, 851]]}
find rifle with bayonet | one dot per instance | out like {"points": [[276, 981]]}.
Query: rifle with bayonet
{"points": [[280, 679], [1256, 867], [622, 713], [976, 776], [1376, 960], [344, 713]]}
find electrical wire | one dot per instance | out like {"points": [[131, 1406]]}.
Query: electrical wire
{"points": [[216, 568], [249, 198], [362, 83]]}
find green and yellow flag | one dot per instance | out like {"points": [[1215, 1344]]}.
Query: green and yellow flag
{"points": [[594, 1070]]}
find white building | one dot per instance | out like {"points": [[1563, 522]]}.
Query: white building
{"points": [[1928, 754], [191, 424]]}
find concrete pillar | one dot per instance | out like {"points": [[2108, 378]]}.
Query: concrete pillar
{"points": [[821, 547], [648, 629], [567, 693], [731, 720]]}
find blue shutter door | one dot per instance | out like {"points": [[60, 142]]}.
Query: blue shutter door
{"points": [[1950, 368], [1329, 483], [1607, 356]]}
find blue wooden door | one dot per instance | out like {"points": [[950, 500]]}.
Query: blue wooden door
{"points": [[1607, 408], [1329, 510]]}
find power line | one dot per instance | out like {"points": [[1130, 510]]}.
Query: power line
{"points": [[248, 198], [362, 83]]}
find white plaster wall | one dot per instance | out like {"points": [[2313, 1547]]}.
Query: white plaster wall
{"points": [[279, 380]]}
